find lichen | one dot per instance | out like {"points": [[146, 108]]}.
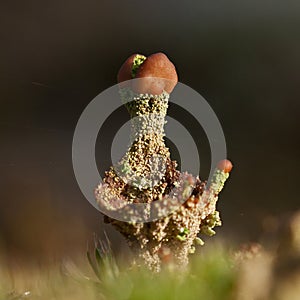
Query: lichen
{"points": [[147, 175]]}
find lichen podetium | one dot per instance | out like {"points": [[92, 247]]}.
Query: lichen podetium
{"points": [[146, 174]]}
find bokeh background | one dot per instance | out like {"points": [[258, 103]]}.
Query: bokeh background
{"points": [[56, 56]]}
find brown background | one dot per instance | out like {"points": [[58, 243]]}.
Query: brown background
{"points": [[56, 56]]}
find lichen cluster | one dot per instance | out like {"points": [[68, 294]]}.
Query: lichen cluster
{"points": [[176, 206]]}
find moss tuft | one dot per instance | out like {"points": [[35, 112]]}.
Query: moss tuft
{"points": [[137, 61]]}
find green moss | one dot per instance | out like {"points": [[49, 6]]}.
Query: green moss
{"points": [[198, 241], [137, 61], [183, 233], [209, 223]]}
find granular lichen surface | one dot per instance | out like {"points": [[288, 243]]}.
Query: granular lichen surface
{"points": [[177, 206]]}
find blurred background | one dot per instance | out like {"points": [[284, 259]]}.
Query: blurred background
{"points": [[243, 57]]}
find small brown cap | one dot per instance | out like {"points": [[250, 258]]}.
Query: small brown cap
{"points": [[225, 165], [155, 75]]}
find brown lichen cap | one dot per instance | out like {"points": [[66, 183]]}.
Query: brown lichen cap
{"points": [[156, 74], [225, 165]]}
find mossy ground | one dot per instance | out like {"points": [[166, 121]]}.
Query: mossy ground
{"points": [[215, 272], [211, 276]]}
